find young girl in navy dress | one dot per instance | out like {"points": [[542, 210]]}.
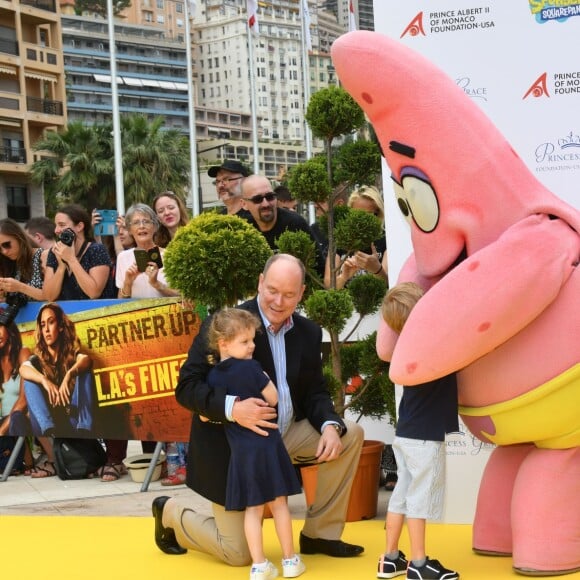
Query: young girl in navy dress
{"points": [[260, 470]]}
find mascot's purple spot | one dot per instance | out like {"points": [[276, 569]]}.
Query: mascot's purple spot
{"points": [[481, 427], [519, 244], [484, 326]]}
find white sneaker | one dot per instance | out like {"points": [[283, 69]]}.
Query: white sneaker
{"points": [[265, 571], [293, 567]]}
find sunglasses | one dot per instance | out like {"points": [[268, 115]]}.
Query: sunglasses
{"points": [[6, 245], [258, 199]]}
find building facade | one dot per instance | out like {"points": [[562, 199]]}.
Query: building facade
{"points": [[32, 97]]}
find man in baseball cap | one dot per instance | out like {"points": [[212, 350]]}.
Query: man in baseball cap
{"points": [[228, 183]]}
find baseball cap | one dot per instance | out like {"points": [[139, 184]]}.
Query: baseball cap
{"points": [[229, 165]]}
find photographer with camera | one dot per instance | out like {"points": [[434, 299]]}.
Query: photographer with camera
{"points": [[77, 268]]}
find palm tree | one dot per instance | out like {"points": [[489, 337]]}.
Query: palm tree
{"points": [[79, 166], [154, 159]]}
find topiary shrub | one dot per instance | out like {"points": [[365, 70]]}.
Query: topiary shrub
{"points": [[216, 260]]}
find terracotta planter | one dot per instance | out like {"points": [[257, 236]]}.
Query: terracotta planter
{"points": [[364, 495]]}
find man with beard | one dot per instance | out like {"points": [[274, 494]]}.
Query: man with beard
{"points": [[228, 183], [259, 199]]}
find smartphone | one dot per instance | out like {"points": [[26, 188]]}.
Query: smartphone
{"points": [[142, 259], [108, 224], [155, 256]]}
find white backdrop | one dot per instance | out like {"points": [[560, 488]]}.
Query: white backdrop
{"points": [[525, 74]]}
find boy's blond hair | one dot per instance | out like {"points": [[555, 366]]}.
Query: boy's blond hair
{"points": [[398, 303]]}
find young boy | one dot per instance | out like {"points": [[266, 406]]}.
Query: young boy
{"points": [[426, 413]]}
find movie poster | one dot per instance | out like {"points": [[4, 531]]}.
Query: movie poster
{"points": [[101, 369]]}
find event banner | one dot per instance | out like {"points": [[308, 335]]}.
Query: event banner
{"points": [[518, 61], [103, 369]]}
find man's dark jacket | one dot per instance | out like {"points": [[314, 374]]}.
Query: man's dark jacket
{"points": [[209, 453]]}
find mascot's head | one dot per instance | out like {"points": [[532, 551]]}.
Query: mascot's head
{"points": [[457, 180]]}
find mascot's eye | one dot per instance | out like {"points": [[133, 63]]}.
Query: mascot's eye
{"points": [[403, 205], [422, 203]]}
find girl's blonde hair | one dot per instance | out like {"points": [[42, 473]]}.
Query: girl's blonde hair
{"points": [[371, 193], [226, 324], [398, 303]]}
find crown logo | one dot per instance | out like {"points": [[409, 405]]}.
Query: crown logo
{"points": [[569, 140]]}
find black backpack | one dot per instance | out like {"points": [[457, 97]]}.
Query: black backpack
{"points": [[77, 458]]}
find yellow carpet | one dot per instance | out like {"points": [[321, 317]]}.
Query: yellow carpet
{"points": [[106, 548]]}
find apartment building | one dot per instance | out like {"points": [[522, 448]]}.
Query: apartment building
{"points": [[32, 97]]}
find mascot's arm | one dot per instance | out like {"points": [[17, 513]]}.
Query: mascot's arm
{"points": [[485, 300], [386, 337]]}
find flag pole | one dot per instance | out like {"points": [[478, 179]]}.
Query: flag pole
{"points": [[253, 90], [117, 149], [305, 20], [196, 194]]}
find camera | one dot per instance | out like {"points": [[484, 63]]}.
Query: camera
{"points": [[67, 237], [14, 301]]}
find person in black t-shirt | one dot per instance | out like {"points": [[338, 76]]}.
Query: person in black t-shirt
{"points": [[272, 221]]}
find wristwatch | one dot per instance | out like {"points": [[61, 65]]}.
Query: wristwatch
{"points": [[339, 428]]}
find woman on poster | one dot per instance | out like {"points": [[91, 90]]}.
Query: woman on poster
{"points": [[13, 420], [58, 381]]}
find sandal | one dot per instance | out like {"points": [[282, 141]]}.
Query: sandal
{"points": [[111, 472], [46, 469]]}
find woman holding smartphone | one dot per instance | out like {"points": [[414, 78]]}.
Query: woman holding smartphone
{"points": [[139, 271], [139, 274]]}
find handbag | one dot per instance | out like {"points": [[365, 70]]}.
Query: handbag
{"points": [[77, 458]]}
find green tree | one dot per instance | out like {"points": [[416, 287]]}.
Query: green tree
{"points": [[79, 165], [332, 113], [154, 159]]}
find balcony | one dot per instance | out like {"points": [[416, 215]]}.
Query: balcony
{"points": [[49, 5], [13, 155], [45, 106]]}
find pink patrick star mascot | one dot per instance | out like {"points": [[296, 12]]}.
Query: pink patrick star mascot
{"points": [[498, 254]]}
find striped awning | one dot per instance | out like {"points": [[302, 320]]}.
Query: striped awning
{"points": [[9, 70], [40, 76]]}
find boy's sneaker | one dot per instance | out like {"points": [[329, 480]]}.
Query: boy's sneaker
{"points": [[293, 567], [390, 568], [265, 571], [431, 570]]}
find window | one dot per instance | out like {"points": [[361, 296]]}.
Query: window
{"points": [[18, 205], [179, 8], [160, 4]]}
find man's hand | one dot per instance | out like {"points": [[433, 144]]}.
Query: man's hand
{"points": [[254, 413], [330, 445]]}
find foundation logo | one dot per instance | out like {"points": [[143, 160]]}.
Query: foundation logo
{"points": [[559, 10], [450, 21], [567, 83], [415, 27], [562, 154], [539, 88]]}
